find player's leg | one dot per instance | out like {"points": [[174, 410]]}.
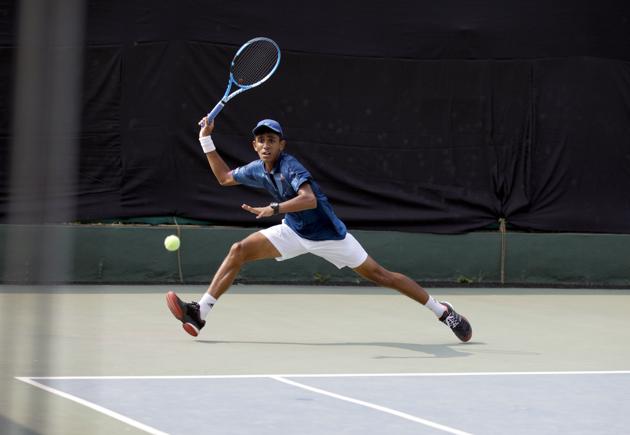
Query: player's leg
{"points": [[376, 273], [254, 247], [192, 315], [348, 252]]}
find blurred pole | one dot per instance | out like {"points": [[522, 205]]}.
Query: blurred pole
{"points": [[44, 157], [45, 128]]}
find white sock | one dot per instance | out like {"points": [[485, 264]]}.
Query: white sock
{"points": [[205, 304], [437, 308]]}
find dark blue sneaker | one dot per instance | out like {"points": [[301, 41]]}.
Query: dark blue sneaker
{"points": [[458, 323], [187, 313]]}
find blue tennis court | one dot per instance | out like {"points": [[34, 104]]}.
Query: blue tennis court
{"points": [[455, 403]]}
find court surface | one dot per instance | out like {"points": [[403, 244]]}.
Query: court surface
{"points": [[313, 360]]}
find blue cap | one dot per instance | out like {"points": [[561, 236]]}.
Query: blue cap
{"points": [[270, 124]]}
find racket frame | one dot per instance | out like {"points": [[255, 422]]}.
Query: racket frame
{"points": [[242, 88]]}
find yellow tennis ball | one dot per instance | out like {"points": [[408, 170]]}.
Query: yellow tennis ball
{"points": [[171, 243]]}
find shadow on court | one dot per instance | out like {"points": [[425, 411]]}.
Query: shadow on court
{"points": [[428, 350]]}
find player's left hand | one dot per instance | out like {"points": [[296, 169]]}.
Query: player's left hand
{"points": [[206, 127], [260, 212]]}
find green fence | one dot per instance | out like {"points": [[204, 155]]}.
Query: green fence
{"points": [[134, 253]]}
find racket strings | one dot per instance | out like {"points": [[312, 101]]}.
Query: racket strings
{"points": [[254, 63], [257, 59]]}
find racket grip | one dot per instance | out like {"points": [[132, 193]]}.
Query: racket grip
{"points": [[214, 112]]}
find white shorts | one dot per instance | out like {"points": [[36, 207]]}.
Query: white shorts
{"points": [[342, 253]]}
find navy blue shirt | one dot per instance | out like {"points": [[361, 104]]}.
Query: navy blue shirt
{"points": [[283, 182]]}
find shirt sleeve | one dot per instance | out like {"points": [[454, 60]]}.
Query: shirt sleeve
{"points": [[249, 175], [298, 174]]}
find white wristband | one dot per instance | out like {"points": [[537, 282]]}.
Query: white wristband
{"points": [[207, 144]]}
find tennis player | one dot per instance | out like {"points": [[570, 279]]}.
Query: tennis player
{"points": [[309, 226]]}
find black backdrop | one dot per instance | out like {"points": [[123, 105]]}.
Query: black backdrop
{"points": [[413, 115]]}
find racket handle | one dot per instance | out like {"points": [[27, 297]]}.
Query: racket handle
{"points": [[213, 114]]}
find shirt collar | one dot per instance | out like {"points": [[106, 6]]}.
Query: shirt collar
{"points": [[276, 167]]}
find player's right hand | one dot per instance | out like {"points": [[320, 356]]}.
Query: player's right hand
{"points": [[206, 129], [260, 212]]}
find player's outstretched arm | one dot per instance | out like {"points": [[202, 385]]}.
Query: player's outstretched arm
{"points": [[219, 168], [304, 200]]}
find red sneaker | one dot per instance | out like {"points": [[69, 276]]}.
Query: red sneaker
{"points": [[187, 313]]}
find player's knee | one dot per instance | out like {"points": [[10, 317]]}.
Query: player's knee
{"points": [[237, 253]]}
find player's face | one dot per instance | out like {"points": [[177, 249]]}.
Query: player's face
{"points": [[268, 146]]}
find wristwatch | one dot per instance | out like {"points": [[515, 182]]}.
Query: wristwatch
{"points": [[276, 207]]}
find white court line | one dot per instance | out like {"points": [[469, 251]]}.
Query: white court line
{"points": [[93, 406], [341, 375], [373, 406], [283, 378]]}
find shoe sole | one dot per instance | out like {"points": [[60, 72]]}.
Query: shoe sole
{"points": [[176, 310], [469, 336], [191, 329]]}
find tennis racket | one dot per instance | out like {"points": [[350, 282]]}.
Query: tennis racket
{"points": [[252, 65]]}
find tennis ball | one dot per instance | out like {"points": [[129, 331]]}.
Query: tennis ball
{"points": [[171, 243]]}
